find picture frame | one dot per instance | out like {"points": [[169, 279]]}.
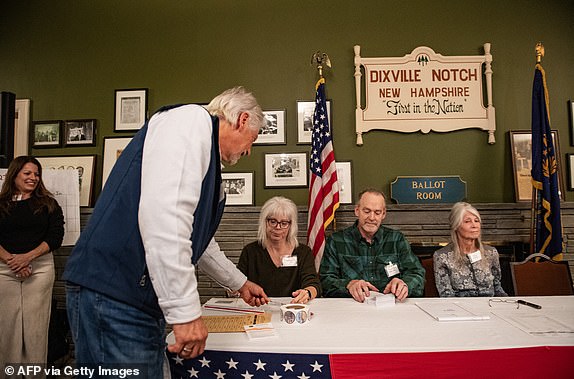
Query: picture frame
{"points": [[22, 127], [286, 170], [113, 147], [80, 132], [130, 108], [305, 110], [571, 114], [521, 151], [238, 187], [345, 182], [84, 164], [273, 133], [570, 165], [46, 134]]}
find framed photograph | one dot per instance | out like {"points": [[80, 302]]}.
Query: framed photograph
{"points": [[273, 133], [305, 110], [345, 182], [80, 132], [84, 164], [22, 127], [113, 147], [46, 134], [570, 164], [521, 150], [286, 170], [130, 109], [239, 188], [571, 113]]}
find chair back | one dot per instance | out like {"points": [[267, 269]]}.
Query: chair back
{"points": [[544, 278], [430, 283]]}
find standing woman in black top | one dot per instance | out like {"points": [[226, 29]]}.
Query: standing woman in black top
{"points": [[31, 227]]}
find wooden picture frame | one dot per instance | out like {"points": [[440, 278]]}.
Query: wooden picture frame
{"points": [[130, 108], [570, 165], [113, 147], [46, 134], [80, 132], [286, 170], [22, 128], [521, 152], [238, 187], [84, 164], [305, 110], [273, 133], [344, 176]]}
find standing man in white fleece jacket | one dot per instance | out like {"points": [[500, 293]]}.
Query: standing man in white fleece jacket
{"points": [[133, 268]]}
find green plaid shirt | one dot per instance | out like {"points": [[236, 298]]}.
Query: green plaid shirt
{"points": [[349, 256]]}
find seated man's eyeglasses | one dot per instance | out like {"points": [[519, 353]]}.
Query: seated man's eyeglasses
{"points": [[282, 224]]}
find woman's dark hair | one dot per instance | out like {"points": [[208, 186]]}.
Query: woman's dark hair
{"points": [[40, 197]]}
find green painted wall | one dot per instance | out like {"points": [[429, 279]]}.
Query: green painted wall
{"points": [[70, 56]]}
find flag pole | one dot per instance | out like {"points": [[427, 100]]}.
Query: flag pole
{"points": [[539, 50]]}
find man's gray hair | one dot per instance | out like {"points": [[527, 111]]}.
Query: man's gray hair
{"points": [[234, 101]]}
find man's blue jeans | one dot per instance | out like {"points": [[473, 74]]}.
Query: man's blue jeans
{"points": [[109, 333]]}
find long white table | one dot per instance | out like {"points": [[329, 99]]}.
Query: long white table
{"points": [[343, 328]]}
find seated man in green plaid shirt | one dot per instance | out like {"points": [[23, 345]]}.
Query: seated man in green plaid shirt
{"points": [[370, 257]]}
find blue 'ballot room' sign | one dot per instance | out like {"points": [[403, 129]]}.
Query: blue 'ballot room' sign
{"points": [[428, 189]]}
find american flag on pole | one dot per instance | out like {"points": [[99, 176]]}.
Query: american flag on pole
{"points": [[324, 187]]}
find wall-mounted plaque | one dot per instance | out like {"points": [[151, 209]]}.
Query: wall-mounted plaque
{"points": [[424, 91], [428, 189]]}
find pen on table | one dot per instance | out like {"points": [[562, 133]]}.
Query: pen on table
{"points": [[529, 304]]}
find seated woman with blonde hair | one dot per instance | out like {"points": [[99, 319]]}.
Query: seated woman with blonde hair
{"points": [[276, 261], [467, 267]]}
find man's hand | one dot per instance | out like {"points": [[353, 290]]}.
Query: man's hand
{"points": [[360, 289], [190, 339], [253, 294], [397, 287]]}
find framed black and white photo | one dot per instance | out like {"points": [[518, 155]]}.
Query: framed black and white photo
{"points": [[46, 134], [305, 110], [570, 163], [345, 182], [84, 164], [273, 133], [113, 147], [80, 132], [521, 150], [238, 187], [286, 170], [130, 109]]}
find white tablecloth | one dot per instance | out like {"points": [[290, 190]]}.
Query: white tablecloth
{"points": [[346, 326]]}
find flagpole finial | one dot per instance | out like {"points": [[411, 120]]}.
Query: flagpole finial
{"points": [[539, 52], [320, 59]]}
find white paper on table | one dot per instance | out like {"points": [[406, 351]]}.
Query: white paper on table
{"points": [[381, 300], [260, 330], [537, 324], [442, 311]]}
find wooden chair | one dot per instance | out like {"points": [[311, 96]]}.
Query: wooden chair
{"points": [[544, 278], [430, 284]]}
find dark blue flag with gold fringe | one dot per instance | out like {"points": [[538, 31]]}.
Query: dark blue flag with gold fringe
{"points": [[545, 173]]}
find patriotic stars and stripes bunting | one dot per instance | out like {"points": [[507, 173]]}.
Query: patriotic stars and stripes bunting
{"points": [[227, 365]]}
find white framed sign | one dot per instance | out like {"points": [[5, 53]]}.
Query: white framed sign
{"points": [[424, 91]]}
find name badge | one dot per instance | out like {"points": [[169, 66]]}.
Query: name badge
{"points": [[392, 269], [289, 261], [475, 257]]}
